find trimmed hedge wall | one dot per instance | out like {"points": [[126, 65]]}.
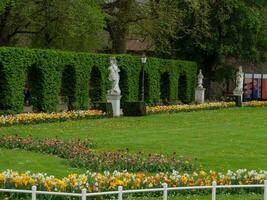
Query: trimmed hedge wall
{"points": [[137, 108], [51, 73]]}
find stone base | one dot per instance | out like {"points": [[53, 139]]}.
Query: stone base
{"points": [[115, 100], [239, 94], [200, 95]]}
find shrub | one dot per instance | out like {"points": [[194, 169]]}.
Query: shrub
{"points": [[104, 106], [137, 108], [86, 78]]}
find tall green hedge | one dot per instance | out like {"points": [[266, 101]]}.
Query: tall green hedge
{"points": [[52, 73]]}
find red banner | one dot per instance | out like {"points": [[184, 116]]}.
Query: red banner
{"points": [[264, 88]]}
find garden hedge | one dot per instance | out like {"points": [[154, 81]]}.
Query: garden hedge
{"points": [[134, 108], [82, 77]]}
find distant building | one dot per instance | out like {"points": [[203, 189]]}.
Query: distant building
{"points": [[138, 46]]}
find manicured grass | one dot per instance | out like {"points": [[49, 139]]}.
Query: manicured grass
{"points": [[218, 139], [22, 161]]}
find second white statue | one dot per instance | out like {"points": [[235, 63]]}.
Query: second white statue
{"points": [[114, 77]]}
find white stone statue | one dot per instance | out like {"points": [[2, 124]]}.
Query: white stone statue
{"points": [[239, 80], [200, 78], [114, 77]]}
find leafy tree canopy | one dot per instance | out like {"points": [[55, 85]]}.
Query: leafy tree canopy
{"points": [[61, 24]]}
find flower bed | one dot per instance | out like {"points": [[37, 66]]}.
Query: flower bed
{"points": [[31, 118], [28, 118], [109, 181], [255, 103], [187, 107], [61, 148], [81, 154]]}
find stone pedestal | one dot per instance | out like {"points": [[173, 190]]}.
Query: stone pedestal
{"points": [[200, 95], [239, 94], [115, 100]]}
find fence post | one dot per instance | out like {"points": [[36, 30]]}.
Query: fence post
{"points": [[165, 191], [83, 194], [120, 193], [265, 190], [214, 190], [34, 189]]}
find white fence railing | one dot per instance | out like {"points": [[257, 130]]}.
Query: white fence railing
{"points": [[83, 195]]}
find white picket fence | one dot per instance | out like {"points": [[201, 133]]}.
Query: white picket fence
{"points": [[34, 192]]}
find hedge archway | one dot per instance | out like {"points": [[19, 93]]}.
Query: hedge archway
{"points": [[182, 88], [3, 81], [68, 86], [90, 71], [165, 87], [146, 86], [123, 84], [34, 80], [95, 88]]}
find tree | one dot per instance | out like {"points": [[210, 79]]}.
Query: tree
{"points": [[159, 24], [7, 30], [63, 24], [70, 25], [120, 14], [234, 28], [212, 30]]}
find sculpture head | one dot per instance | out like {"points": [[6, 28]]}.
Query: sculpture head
{"points": [[200, 75], [240, 69], [113, 61]]}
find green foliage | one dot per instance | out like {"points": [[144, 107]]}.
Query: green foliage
{"points": [[68, 84], [106, 107], [52, 74], [65, 24], [4, 4], [137, 108], [95, 89], [225, 74], [207, 31], [2, 87], [120, 15], [182, 84]]}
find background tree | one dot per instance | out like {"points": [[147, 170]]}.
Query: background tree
{"points": [[120, 15], [209, 31], [63, 24], [158, 26]]}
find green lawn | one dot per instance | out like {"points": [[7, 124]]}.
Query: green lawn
{"points": [[22, 161], [219, 139]]}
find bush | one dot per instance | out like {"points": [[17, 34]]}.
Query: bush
{"points": [[82, 78], [106, 107], [137, 108]]}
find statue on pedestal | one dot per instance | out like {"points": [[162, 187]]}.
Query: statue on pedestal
{"points": [[114, 94], [200, 90], [239, 80], [114, 77], [200, 78]]}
